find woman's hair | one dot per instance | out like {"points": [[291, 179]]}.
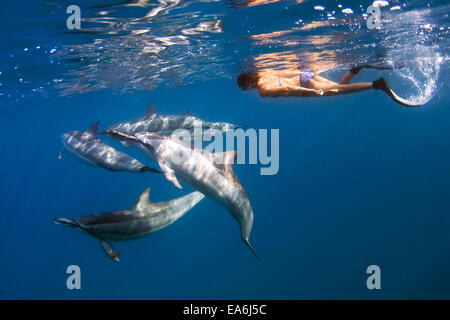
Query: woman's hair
{"points": [[247, 80]]}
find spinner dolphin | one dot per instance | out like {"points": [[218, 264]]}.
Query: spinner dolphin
{"points": [[143, 218], [88, 148], [151, 121], [211, 174]]}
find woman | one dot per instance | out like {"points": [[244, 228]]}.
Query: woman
{"points": [[304, 83]]}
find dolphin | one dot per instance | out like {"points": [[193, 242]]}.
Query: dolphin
{"points": [[88, 148], [143, 218], [150, 121], [210, 173]]}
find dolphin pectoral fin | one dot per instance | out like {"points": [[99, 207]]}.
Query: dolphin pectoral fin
{"points": [[170, 175], [109, 250], [251, 248], [225, 160], [227, 157]]}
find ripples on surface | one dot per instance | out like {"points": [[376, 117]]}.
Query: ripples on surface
{"points": [[140, 45]]}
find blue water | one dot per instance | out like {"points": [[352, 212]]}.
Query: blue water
{"points": [[362, 180]]}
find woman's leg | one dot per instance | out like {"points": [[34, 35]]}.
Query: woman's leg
{"points": [[346, 78], [340, 88]]}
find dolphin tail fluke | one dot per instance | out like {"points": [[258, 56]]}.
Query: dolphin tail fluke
{"points": [[66, 222], [145, 169], [126, 144], [242, 126], [121, 136], [251, 248]]}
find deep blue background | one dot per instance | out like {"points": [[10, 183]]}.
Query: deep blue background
{"points": [[362, 181]]}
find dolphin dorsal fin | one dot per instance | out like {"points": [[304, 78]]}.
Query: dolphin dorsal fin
{"points": [[150, 111], [225, 160], [143, 201], [93, 129], [186, 113]]}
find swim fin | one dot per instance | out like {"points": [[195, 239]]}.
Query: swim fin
{"points": [[378, 66], [385, 66], [381, 84]]}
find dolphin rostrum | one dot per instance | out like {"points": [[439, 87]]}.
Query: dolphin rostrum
{"points": [[143, 218], [165, 125], [87, 147], [210, 173]]}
